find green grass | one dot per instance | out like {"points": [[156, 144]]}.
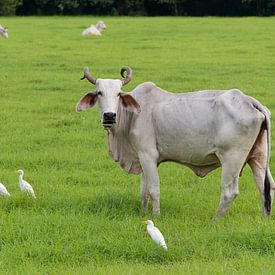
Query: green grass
{"points": [[86, 217]]}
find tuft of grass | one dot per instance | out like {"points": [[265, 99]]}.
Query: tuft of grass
{"points": [[86, 216]]}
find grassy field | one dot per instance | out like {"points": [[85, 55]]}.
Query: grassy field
{"points": [[86, 217]]}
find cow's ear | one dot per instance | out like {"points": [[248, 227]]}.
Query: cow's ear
{"points": [[129, 103], [87, 101]]}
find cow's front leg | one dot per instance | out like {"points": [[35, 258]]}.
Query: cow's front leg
{"points": [[144, 193], [150, 178]]}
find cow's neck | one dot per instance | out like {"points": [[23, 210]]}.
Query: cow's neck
{"points": [[120, 148]]}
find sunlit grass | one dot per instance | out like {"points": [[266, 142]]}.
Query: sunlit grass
{"points": [[86, 216]]}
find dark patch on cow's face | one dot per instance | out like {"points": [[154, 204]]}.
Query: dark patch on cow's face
{"points": [[108, 119]]}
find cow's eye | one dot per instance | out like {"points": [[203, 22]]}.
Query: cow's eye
{"points": [[99, 93]]}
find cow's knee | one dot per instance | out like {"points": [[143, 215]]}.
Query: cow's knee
{"points": [[226, 200], [229, 196], [154, 194]]}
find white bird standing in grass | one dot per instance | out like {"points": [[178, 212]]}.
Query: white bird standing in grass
{"points": [[3, 190], [155, 234], [25, 186], [4, 31]]}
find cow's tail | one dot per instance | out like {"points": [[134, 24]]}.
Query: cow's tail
{"points": [[267, 203], [267, 183], [268, 179]]}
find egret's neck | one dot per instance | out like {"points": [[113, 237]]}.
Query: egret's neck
{"points": [[149, 226], [21, 177]]}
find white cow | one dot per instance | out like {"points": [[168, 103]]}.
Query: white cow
{"points": [[95, 29], [202, 130], [4, 31]]}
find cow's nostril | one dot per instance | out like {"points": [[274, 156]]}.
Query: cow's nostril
{"points": [[109, 115], [109, 119]]}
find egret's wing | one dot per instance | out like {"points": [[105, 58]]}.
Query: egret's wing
{"points": [[158, 238], [2, 187], [29, 189], [3, 190], [156, 235]]}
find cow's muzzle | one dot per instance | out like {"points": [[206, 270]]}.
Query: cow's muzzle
{"points": [[108, 119]]}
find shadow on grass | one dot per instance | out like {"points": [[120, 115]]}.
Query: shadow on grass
{"points": [[23, 202], [118, 204], [114, 205], [126, 204]]}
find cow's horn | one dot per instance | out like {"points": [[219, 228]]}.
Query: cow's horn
{"points": [[128, 77], [88, 76]]}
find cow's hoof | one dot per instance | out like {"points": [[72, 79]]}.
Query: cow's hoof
{"points": [[218, 216], [144, 211], [156, 213], [266, 214]]}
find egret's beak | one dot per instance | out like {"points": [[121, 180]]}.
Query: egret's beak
{"points": [[144, 222]]}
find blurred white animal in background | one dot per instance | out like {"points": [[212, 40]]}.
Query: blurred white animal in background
{"points": [[4, 31], [95, 29], [155, 234], [25, 186], [3, 190]]}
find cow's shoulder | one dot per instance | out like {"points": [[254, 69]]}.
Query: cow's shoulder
{"points": [[145, 87], [150, 92]]}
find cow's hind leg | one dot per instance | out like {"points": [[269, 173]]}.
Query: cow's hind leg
{"points": [[259, 174], [257, 160], [231, 167]]}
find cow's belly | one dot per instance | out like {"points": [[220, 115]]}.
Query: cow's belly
{"points": [[186, 137], [196, 151]]}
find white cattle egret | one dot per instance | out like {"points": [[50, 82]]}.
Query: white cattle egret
{"points": [[3, 190], [155, 234], [95, 29], [4, 31], [25, 186]]}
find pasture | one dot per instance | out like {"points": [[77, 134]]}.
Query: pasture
{"points": [[86, 218]]}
